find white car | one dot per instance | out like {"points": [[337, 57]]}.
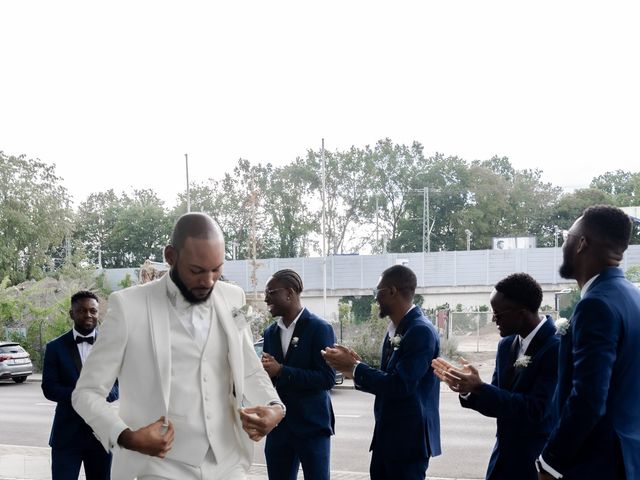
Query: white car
{"points": [[15, 362]]}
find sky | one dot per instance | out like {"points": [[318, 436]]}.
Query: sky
{"points": [[116, 93]]}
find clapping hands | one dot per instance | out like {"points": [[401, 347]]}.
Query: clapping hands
{"points": [[463, 379], [341, 358]]}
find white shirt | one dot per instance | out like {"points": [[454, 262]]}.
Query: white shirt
{"points": [[84, 348], [287, 332], [196, 317], [524, 342]]}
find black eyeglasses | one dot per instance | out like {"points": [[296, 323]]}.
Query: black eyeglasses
{"points": [[273, 290], [376, 291], [566, 234]]}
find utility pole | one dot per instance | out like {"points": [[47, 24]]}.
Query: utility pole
{"points": [[324, 246], [186, 161]]}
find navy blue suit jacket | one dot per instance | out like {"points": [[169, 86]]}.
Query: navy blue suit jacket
{"points": [[306, 379], [598, 394], [520, 401], [406, 407], [60, 372]]}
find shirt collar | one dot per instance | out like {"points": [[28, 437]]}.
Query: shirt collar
{"points": [[524, 342], [293, 324], [587, 285], [391, 329]]}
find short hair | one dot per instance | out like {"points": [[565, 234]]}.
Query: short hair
{"points": [[608, 224], [521, 289], [193, 225], [81, 295], [289, 278], [402, 278]]}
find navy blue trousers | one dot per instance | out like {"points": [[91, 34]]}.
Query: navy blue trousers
{"points": [[285, 452], [65, 462]]}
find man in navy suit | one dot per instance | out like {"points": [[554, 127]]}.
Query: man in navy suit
{"points": [[524, 379], [598, 394], [72, 441], [292, 358], [406, 408]]}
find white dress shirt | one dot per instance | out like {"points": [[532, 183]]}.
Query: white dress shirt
{"points": [[84, 348], [196, 317], [287, 332]]}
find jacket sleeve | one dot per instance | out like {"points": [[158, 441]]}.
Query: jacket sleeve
{"points": [[533, 406], [320, 376], [52, 385], [418, 348], [594, 354], [99, 376]]}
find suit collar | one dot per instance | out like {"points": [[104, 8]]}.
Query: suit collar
{"points": [[414, 313], [70, 342], [606, 274], [158, 306]]}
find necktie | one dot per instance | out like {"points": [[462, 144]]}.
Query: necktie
{"points": [[89, 340]]}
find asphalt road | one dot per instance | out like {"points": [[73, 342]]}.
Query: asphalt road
{"points": [[467, 437]]}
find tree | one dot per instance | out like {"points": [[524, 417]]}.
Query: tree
{"points": [[571, 205], [348, 196], [35, 215], [623, 186], [286, 201], [123, 231]]}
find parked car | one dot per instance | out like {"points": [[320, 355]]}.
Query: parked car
{"points": [[15, 362], [257, 346]]}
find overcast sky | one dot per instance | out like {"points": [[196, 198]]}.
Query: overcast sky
{"points": [[115, 93]]}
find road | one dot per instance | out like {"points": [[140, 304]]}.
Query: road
{"points": [[467, 437]]}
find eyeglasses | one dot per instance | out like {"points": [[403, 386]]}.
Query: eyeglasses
{"points": [[566, 234], [376, 291], [273, 290]]}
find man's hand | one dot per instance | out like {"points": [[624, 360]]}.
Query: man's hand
{"points": [[271, 365], [341, 358], [155, 439], [259, 421], [465, 379]]}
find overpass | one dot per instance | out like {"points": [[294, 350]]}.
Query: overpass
{"points": [[458, 277]]}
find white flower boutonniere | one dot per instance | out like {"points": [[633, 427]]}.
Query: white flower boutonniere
{"points": [[562, 326], [294, 342], [241, 316], [522, 362], [395, 341]]}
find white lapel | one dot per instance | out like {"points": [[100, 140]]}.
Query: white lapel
{"points": [[233, 339], [158, 307]]}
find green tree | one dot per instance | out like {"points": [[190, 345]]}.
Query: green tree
{"points": [[624, 187], [35, 215], [123, 231]]}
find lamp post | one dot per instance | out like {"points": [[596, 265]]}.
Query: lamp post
{"points": [[468, 232]]}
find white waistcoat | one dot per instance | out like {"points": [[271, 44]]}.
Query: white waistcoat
{"points": [[200, 403]]}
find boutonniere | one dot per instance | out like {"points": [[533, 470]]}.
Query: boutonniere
{"points": [[294, 342], [522, 362], [395, 341], [242, 316], [562, 326]]}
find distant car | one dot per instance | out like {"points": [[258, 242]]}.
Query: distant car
{"points": [[259, 345], [15, 362]]}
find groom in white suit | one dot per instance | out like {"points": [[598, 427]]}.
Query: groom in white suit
{"points": [[186, 366]]}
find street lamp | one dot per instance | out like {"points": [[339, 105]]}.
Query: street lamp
{"points": [[468, 232]]}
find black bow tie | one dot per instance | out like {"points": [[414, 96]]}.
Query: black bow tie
{"points": [[89, 340]]}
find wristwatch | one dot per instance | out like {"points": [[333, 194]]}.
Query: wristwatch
{"points": [[281, 405]]}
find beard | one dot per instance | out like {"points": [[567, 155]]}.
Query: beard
{"points": [[186, 293], [383, 312], [566, 270]]}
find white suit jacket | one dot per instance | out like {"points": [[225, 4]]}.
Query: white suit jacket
{"points": [[134, 347]]}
